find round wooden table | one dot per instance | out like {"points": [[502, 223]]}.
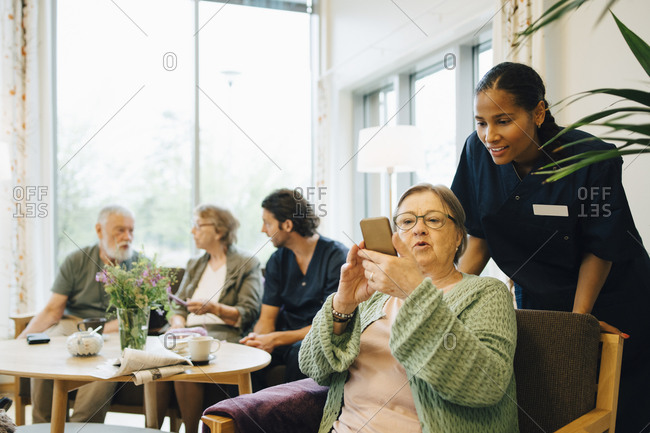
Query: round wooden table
{"points": [[232, 366]]}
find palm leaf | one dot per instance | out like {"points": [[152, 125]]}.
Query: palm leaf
{"points": [[607, 8], [635, 95], [597, 116], [631, 127], [619, 151], [595, 156], [554, 13], [639, 48], [626, 142]]}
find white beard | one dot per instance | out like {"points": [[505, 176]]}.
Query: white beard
{"points": [[116, 253]]}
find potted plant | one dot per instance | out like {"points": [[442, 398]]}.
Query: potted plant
{"points": [[615, 119]]}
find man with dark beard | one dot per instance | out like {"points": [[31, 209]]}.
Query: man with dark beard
{"points": [[76, 295]]}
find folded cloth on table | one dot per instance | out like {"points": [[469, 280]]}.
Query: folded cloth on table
{"points": [[294, 407], [195, 329]]}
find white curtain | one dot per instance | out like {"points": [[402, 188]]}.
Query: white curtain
{"points": [[25, 158], [322, 134], [513, 17]]}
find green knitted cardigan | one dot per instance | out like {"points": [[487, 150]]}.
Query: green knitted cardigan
{"points": [[457, 349]]}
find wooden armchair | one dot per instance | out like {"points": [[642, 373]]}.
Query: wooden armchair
{"points": [[560, 386], [128, 399]]}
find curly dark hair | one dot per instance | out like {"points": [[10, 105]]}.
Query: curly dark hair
{"points": [[289, 204]]}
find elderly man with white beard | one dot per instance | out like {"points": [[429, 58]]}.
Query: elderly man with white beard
{"points": [[76, 295]]}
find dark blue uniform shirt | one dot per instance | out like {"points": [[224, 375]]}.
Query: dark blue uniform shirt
{"points": [[542, 251], [301, 296]]}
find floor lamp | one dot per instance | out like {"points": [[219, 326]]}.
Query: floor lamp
{"points": [[390, 150]]}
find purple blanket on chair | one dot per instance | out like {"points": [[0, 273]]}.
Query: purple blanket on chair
{"points": [[295, 407]]}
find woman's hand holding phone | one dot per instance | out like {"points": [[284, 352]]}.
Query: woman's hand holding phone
{"points": [[353, 285], [387, 273]]}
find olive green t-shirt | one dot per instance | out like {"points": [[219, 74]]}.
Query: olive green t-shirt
{"points": [[76, 280]]}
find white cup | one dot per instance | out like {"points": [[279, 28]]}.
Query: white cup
{"points": [[177, 341], [202, 347]]}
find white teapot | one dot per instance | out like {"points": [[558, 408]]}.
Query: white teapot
{"points": [[85, 343]]}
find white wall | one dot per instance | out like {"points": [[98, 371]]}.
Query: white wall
{"points": [[582, 56]]}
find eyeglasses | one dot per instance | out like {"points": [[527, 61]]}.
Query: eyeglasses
{"points": [[198, 226], [434, 219]]}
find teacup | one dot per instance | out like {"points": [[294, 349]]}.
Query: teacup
{"points": [[92, 322], [202, 347], [177, 341]]}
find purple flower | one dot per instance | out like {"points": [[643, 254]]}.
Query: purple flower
{"points": [[101, 276]]}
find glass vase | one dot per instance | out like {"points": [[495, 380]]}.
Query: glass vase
{"points": [[134, 326]]}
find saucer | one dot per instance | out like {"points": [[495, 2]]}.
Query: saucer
{"points": [[205, 362]]}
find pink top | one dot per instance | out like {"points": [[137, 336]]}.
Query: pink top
{"points": [[377, 397]]}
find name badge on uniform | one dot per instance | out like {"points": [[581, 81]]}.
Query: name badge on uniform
{"points": [[551, 210]]}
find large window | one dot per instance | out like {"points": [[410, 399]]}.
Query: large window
{"points": [[434, 112], [161, 111], [483, 60], [379, 109]]}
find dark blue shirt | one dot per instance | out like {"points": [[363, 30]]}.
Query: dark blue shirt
{"points": [[301, 296], [542, 252]]}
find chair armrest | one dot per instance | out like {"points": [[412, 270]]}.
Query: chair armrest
{"points": [[20, 322], [594, 421], [293, 406], [219, 424], [602, 418]]}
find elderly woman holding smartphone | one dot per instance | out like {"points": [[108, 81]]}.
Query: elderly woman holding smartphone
{"points": [[409, 343], [223, 289]]}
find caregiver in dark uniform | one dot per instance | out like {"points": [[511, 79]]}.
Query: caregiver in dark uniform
{"points": [[569, 245]]}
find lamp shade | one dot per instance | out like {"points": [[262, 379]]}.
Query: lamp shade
{"points": [[390, 148]]}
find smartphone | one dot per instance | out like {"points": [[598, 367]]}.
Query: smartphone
{"points": [[178, 300], [378, 235], [38, 338]]}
